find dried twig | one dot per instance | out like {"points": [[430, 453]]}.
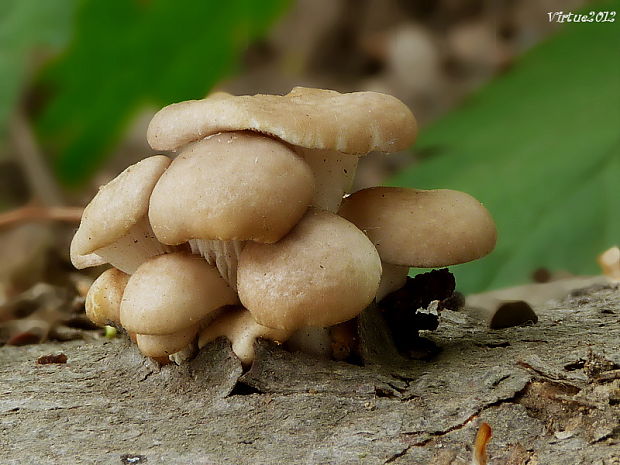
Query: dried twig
{"points": [[39, 213], [41, 182]]}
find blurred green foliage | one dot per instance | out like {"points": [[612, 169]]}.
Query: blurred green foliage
{"points": [[126, 53], [540, 147], [28, 30]]}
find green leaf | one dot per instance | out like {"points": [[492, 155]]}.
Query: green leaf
{"points": [[28, 30], [540, 147], [127, 53]]}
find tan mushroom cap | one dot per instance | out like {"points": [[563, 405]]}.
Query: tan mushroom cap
{"points": [[609, 261], [171, 292], [103, 301], [422, 228], [324, 272], [354, 123], [238, 326], [231, 186], [117, 207]]}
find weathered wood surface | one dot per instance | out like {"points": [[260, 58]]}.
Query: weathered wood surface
{"points": [[549, 392]]}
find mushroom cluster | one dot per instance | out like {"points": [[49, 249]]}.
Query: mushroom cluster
{"points": [[250, 232]]}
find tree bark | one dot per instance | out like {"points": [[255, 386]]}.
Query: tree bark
{"points": [[550, 392]]}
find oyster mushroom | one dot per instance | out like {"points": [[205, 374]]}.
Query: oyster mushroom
{"points": [[324, 272], [115, 227], [227, 189], [420, 228], [240, 193], [103, 300], [171, 293], [330, 130], [609, 261]]}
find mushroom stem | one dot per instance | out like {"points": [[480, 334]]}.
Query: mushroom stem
{"points": [[393, 278], [311, 340], [134, 248], [333, 174], [238, 326], [163, 345], [222, 254]]}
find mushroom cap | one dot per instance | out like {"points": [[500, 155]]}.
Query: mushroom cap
{"points": [[324, 272], [162, 345], [231, 186], [422, 228], [103, 301], [171, 292], [118, 206], [238, 326], [355, 123]]}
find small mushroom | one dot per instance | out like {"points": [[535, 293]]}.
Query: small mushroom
{"points": [[114, 227], [324, 272], [420, 228], [103, 301], [609, 261], [238, 326], [330, 130], [229, 188], [172, 292]]}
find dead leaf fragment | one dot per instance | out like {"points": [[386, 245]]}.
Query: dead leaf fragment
{"points": [[52, 358]]}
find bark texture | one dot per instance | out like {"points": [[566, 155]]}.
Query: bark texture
{"points": [[550, 392]]}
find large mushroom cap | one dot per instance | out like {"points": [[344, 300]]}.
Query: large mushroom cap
{"points": [[355, 123], [231, 186], [325, 271], [171, 292], [422, 228], [117, 207]]}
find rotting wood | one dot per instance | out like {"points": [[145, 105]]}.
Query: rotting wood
{"points": [[539, 387]]}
